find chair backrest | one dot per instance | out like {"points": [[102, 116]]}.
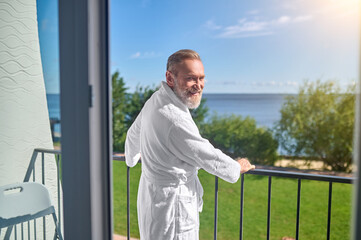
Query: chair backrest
{"points": [[21, 202], [22, 199]]}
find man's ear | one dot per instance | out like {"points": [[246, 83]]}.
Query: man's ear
{"points": [[170, 79]]}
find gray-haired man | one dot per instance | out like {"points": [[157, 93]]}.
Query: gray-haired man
{"points": [[172, 150]]}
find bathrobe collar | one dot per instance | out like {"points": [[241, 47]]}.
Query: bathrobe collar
{"points": [[165, 89]]}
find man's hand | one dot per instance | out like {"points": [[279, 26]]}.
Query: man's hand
{"points": [[245, 165]]}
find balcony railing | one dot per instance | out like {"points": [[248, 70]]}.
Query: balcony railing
{"points": [[261, 172], [32, 174]]}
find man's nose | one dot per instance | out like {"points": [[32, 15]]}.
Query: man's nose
{"points": [[198, 84]]}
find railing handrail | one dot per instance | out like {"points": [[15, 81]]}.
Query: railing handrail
{"points": [[306, 176], [44, 150], [287, 174], [262, 172]]}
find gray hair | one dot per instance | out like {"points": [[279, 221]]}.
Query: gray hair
{"points": [[179, 56]]}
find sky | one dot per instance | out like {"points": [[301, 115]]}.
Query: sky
{"points": [[258, 46], [47, 11]]}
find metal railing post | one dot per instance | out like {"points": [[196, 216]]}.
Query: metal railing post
{"points": [[43, 182], [298, 208], [329, 210], [128, 212], [215, 207], [241, 209], [58, 183], [269, 207]]}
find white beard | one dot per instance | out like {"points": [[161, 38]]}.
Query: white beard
{"points": [[189, 101]]}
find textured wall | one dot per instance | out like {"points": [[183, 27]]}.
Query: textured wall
{"points": [[24, 121]]}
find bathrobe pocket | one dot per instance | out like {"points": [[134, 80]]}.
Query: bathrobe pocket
{"points": [[187, 214], [163, 213]]}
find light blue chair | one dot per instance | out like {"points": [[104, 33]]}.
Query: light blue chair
{"points": [[22, 202]]}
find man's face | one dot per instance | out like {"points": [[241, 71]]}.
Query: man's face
{"points": [[188, 83]]}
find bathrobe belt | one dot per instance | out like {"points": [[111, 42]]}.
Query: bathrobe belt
{"points": [[182, 180]]}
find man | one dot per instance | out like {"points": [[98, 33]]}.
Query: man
{"points": [[172, 150]]}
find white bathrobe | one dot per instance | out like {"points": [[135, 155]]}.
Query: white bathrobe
{"points": [[172, 150]]}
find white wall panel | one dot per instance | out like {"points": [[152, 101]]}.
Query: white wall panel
{"points": [[24, 120]]}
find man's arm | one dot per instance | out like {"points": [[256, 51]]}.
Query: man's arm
{"points": [[186, 143], [132, 142]]}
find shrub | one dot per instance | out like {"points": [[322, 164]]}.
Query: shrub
{"points": [[319, 123], [240, 137]]}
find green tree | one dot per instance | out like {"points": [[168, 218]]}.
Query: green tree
{"points": [[200, 113], [136, 102], [319, 123], [240, 137], [119, 112]]}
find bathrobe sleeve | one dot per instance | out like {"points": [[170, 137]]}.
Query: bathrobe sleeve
{"points": [[132, 142], [186, 144]]}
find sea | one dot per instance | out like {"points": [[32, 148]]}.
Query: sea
{"points": [[54, 110], [264, 108]]}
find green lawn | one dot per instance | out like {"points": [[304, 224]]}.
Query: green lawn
{"points": [[313, 216]]}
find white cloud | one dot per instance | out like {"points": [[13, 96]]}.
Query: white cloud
{"points": [[254, 27], [303, 18], [290, 83], [211, 25], [245, 34], [139, 55], [245, 28], [284, 19], [230, 83], [276, 84], [150, 55], [135, 55]]}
